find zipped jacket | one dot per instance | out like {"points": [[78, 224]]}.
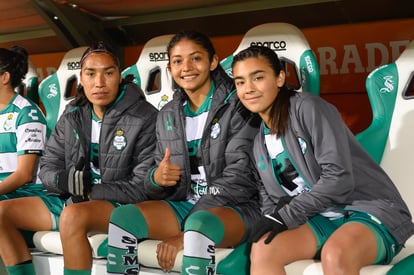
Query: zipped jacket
{"points": [[338, 171], [126, 144], [226, 151]]}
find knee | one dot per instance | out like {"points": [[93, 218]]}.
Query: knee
{"points": [[334, 256], [206, 223], [72, 219]]}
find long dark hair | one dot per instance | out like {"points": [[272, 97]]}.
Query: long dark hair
{"points": [[98, 47], [279, 113], [15, 62]]}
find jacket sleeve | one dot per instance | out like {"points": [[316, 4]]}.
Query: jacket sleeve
{"points": [[239, 180], [153, 190], [334, 182], [130, 189], [53, 161]]}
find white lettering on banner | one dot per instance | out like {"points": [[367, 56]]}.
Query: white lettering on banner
{"points": [[351, 56], [372, 48], [352, 62]]}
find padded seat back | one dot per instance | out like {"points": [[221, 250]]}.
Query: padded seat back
{"points": [[151, 73], [292, 47], [29, 87], [390, 137], [56, 90], [398, 155]]}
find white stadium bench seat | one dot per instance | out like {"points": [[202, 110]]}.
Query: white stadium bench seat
{"points": [[30, 84], [56, 90], [150, 71]]}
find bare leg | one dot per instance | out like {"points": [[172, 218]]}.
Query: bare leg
{"points": [[161, 219], [76, 222], [286, 247], [233, 226], [28, 213], [349, 248]]}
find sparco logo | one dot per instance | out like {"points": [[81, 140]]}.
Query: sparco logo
{"points": [[158, 56], [309, 64], [274, 45], [388, 85], [73, 66]]}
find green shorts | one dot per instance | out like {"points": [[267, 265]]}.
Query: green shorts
{"points": [[387, 246], [55, 204], [27, 190], [181, 209]]}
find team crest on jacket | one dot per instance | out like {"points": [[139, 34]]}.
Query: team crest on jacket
{"points": [[119, 141], [302, 144], [215, 129]]}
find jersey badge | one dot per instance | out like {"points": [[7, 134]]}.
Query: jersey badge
{"points": [[8, 123]]}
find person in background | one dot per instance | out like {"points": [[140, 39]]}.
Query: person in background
{"points": [[323, 196], [95, 160], [22, 131], [204, 183]]}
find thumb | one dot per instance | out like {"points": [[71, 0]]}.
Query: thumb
{"points": [[80, 164], [167, 155]]}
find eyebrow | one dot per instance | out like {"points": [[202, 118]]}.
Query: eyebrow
{"points": [[193, 53], [105, 68], [250, 74]]}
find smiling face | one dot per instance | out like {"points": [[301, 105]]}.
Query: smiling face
{"points": [[100, 78], [257, 85], [190, 66]]}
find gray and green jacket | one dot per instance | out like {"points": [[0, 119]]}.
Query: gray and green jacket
{"points": [[338, 171], [226, 151], [126, 145]]}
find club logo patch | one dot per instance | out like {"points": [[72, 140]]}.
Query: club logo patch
{"points": [[215, 129], [119, 141], [8, 123], [303, 145]]}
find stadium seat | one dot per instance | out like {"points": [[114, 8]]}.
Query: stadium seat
{"points": [[292, 47], [150, 71], [390, 141], [29, 87], [56, 90]]}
